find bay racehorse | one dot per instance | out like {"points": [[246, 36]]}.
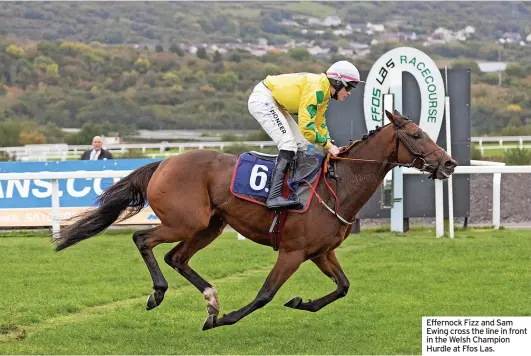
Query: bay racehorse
{"points": [[190, 194]]}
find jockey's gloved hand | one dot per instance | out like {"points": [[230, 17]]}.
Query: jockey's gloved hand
{"points": [[333, 150]]}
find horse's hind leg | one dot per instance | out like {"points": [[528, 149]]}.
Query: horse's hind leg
{"points": [[287, 263], [180, 255], [145, 241], [329, 265]]}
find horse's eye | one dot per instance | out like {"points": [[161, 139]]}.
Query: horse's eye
{"points": [[416, 135]]}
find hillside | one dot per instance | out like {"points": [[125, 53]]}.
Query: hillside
{"points": [[58, 82], [197, 22]]}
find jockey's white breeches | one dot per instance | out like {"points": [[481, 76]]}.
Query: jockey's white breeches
{"points": [[275, 121]]}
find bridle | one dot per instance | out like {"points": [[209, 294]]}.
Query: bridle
{"points": [[404, 138]]}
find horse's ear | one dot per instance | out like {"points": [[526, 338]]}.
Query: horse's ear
{"points": [[397, 113], [390, 116]]}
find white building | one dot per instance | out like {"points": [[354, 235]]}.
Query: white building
{"points": [[331, 21]]}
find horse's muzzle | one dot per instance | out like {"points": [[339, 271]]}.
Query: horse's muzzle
{"points": [[444, 170]]}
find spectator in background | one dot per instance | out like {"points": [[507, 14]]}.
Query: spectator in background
{"points": [[96, 152]]}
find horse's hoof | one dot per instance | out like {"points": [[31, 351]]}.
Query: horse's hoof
{"points": [[210, 322], [293, 303], [212, 310], [153, 301]]}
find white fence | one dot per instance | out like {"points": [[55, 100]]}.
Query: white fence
{"points": [[496, 171], [64, 152], [503, 142]]}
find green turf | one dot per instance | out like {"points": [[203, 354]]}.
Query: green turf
{"points": [[90, 299]]}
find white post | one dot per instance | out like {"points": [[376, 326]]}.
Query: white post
{"points": [[521, 143], [439, 192], [56, 211], [450, 179], [496, 200], [392, 101], [388, 104], [439, 208]]}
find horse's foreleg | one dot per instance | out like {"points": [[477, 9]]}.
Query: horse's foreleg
{"points": [[329, 265], [286, 265], [179, 256], [145, 241]]}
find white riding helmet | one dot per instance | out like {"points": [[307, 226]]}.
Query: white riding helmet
{"points": [[344, 72]]}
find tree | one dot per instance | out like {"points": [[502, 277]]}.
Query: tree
{"points": [[299, 54], [202, 53], [142, 65], [30, 137], [174, 48], [218, 61], [10, 132], [516, 70], [87, 133], [226, 81], [41, 62], [270, 69], [465, 63], [16, 51], [52, 133], [217, 57], [52, 69], [114, 37], [518, 156], [235, 57]]}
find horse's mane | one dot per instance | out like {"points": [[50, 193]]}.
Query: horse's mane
{"points": [[364, 138]]}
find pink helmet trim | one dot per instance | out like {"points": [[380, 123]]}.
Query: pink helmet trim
{"points": [[344, 76]]}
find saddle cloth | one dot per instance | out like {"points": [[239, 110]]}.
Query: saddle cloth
{"points": [[251, 178]]}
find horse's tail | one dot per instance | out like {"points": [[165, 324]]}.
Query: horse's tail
{"points": [[129, 192]]}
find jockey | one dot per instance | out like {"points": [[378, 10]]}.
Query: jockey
{"points": [[274, 99]]}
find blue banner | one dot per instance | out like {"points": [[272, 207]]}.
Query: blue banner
{"points": [[73, 192]]}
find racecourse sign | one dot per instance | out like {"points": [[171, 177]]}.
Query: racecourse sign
{"points": [[387, 73]]}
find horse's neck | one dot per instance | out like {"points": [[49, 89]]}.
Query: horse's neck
{"points": [[361, 179]]}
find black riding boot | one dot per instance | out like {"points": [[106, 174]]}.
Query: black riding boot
{"points": [[275, 198]]}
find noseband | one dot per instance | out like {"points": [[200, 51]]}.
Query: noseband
{"points": [[401, 137]]}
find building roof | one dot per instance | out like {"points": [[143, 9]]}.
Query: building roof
{"points": [[489, 67]]}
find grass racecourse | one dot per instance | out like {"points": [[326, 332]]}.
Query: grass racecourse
{"points": [[90, 299]]}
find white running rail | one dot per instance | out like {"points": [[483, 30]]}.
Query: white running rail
{"points": [[495, 170]]}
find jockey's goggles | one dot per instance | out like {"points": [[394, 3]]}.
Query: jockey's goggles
{"points": [[350, 86]]}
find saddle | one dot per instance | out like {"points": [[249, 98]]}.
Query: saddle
{"points": [[303, 166], [252, 177]]}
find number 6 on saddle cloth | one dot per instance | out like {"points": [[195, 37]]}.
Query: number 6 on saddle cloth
{"points": [[252, 177]]}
